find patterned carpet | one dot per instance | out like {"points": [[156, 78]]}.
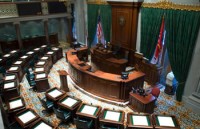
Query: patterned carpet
{"points": [[165, 103]]}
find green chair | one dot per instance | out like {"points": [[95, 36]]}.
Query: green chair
{"points": [[83, 123], [47, 104], [109, 126]]}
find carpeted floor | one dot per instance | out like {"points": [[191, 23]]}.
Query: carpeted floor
{"points": [[165, 103]]}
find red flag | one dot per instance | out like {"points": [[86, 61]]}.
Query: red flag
{"points": [[159, 44]]}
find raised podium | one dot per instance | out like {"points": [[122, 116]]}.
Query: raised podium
{"points": [[142, 103], [63, 80]]}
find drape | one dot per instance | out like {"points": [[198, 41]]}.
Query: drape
{"points": [[105, 13], [150, 26], [182, 28], [181, 33]]}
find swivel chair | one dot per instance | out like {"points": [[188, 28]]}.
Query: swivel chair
{"points": [[109, 126], [63, 115], [47, 104], [83, 123]]}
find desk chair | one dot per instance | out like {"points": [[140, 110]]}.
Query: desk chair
{"points": [[63, 115], [2, 70], [48, 105], [83, 123], [14, 125], [107, 126]]}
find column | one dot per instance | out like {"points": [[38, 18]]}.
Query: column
{"points": [[46, 30], [69, 21], [18, 33]]}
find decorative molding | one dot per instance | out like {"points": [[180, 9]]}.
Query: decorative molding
{"points": [[99, 2], [165, 4]]}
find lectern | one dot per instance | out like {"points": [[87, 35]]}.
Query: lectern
{"points": [[63, 80]]}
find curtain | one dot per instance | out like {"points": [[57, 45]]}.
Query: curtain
{"points": [[105, 13], [150, 25], [182, 28]]}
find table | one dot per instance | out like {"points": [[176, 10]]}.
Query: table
{"points": [[142, 103], [53, 56], [44, 64], [54, 94], [165, 122], [138, 121], [41, 124], [49, 61], [17, 70], [90, 112], [41, 81], [11, 90], [69, 103], [11, 77], [59, 52], [26, 117], [112, 117]]}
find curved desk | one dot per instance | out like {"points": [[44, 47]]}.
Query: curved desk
{"points": [[105, 85]]}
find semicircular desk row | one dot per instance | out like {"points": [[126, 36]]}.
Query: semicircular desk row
{"points": [[106, 85]]}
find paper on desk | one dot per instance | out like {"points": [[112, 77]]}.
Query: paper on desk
{"points": [[39, 69], [88, 110], [40, 63], [44, 58], [140, 120], [55, 93], [23, 57], [16, 103], [13, 68], [49, 52], [13, 51], [30, 52], [165, 121], [110, 115], [9, 85], [43, 125], [18, 62], [27, 117], [69, 102], [42, 75], [7, 55], [10, 77]]}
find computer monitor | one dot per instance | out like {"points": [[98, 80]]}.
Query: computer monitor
{"points": [[124, 75]]}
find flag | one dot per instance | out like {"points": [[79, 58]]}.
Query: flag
{"points": [[99, 36], [160, 43]]}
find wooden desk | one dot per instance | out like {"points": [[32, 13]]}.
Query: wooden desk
{"points": [[96, 82], [26, 117], [89, 111], [17, 70], [41, 124], [15, 104], [165, 122], [10, 77], [139, 121], [59, 52], [142, 103], [41, 81], [63, 80], [43, 64], [82, 53], [106, 62], [11, 90], [112, 117], [54, 94], [69, 103], [53, 56], [39, 70], [20, 63], [48, 59]]}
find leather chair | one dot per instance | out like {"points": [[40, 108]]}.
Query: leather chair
{"points": [[108, 126], [155, 92], [63, 115], [47, 104], [83, 123]]}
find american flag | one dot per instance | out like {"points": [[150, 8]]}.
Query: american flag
{"points": [[99, 29]]}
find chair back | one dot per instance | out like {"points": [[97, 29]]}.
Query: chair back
{"points": [[109, 126], [82, 124], [155, 92], [43, 102], [59, 113]]}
